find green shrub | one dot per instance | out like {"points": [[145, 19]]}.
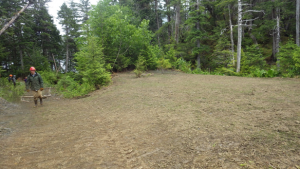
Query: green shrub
{"points": [[152, 55], [163, 64], [271, 73], [183, 65], [289, 59], [252, 59], [227, 71], [171, 57], [71, 88], [90, 64], [296, 58], [139, 66], [264, 73], [196, 71], [259, 73], [10, 92], [49, 77]]}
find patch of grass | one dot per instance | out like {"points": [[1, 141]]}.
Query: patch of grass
{"points": [[10, 92]]}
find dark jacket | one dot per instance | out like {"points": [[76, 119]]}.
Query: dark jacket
{"points": [[35, 82], [13, 79]]}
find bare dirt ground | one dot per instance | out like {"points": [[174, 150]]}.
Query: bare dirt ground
{"points": [[170, 120]]}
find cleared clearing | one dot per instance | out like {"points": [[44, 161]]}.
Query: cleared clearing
{"points": [[170, 120]]}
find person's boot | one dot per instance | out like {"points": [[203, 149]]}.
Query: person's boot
{"points": [[35, 103], [41, 101]]}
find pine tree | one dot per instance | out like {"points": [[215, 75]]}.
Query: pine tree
{"points": [[68, 18]]}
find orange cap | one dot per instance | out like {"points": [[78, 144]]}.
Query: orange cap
{"points": [[32, 68], [10, 75]]}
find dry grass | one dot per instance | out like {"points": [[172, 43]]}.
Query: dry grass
{"points": [[170, 120]]}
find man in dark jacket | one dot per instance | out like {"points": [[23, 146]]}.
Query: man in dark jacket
{"points": [[35, 83], [12, 78]]}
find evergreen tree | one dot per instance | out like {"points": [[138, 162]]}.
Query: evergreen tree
{"points": [[68, 18]]}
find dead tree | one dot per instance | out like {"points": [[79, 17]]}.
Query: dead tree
{"points": [[242, 23], [15, 17], [297, 22]]}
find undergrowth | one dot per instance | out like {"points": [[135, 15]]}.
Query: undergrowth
{"points": [[10, 92]]}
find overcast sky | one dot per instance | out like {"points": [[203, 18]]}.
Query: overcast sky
{"points": [[54, 6]]}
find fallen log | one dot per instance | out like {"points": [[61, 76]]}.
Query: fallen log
{"points": [[45, 96]]}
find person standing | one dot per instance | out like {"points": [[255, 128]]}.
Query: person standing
{"points": [[35, 83], [12, 78]]}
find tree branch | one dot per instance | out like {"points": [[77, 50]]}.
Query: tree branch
{"points": [[254, 11], [14, 18]]}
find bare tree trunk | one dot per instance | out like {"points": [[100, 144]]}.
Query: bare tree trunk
{"points": [[198, 40], [250, 31], [239, 44], [177, 21], [21, 58], [231, 37], [157, 20], [169, 20], [278, 36], [14, 18], [67, 50], [274, 35], [297, 22]]}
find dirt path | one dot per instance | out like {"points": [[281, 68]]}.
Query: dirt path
{"points": [[161, 121]]}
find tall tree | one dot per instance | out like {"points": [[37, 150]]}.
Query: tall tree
{"points": [[157, 19], [198, 29], [298, 22], [84, 8], [231, 36], [65, 16], [240, 31], [168, 13], [239, 43], [69, 19], [177, 20]]}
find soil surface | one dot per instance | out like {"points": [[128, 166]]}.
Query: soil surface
{"points": [[171, 120]]}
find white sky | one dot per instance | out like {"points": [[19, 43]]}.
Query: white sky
{"points": [[54, 6]]}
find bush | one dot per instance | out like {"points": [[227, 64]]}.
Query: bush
{"points": [[184, 65], [171, 57], [139, 66], [70, 88], [10, 92], [152, 55], [49, 77], [289, 59], [90, 64], [227, 71], [163, 64], [263, 73], [252, 59]]}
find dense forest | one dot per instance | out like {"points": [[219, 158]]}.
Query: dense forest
{"points": [[256, 38]]}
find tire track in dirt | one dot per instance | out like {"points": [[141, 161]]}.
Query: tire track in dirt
{"points": [[122, 150]]}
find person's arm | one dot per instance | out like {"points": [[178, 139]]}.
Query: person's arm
{"points": [[41, 81]]}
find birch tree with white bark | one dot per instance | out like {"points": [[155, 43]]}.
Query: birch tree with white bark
{"points": [[198, 40], [240, 30], [297, 22]]}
